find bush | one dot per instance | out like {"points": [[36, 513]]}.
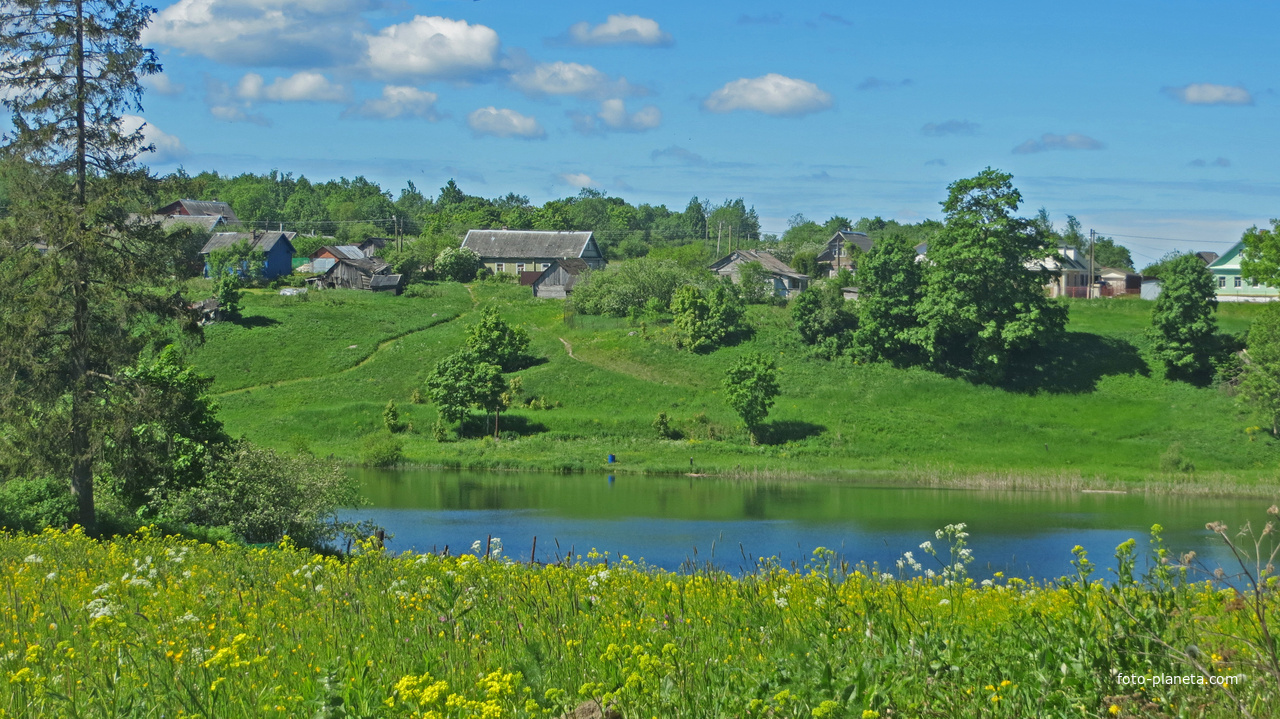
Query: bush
{"points": [[391, 417], [263, 496], [458, 264], [420, 289], [1173, 460], [440, 431], [31, 505], [381, 449], [662, 427], [625, 285]]}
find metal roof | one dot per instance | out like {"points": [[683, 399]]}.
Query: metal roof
{"points": [[265, 241], [199, 207], [526, 243], [380, 281]]}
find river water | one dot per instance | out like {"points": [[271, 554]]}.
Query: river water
{"points": [[670, 522]]}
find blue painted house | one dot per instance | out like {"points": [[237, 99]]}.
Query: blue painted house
{"points": [[277, 247]]}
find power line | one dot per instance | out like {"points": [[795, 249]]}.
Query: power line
{"points": [[1173, 239]]}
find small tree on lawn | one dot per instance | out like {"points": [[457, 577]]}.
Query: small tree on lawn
{"points": [[1260, 382], [755, 283], [823, 318], [495, 341], [1183, 327], [689, 312], [450, 386], [750, 387]]}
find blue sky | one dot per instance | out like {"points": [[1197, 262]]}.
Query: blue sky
{"points": [[1146, 119]]}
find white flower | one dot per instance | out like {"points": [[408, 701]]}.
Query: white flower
{"points": [[886, 577], [900, 564], [51, 576], [319, 587], [100, 608], [102, 588], [927, 546], [139, 582], [944, 602], [966, 553], [187, 618], [819, 602], [780, 600], [34, 559], [986, 582], [937, 534], [475, 546], [929, 573]]}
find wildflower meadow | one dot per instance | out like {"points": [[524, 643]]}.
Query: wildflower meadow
{"points": [[158, 626]]}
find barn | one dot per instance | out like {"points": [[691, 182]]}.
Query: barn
{"points": [[557, 280]]}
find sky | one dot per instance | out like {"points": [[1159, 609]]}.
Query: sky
{"points": [[1152, 122]]}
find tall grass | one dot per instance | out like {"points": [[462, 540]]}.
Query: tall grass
{"points": [[155, 626]]}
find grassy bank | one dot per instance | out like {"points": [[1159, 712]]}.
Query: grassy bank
{"points": [[1094, 413], [227, 631]]}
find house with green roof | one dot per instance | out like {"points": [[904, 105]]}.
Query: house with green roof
{"points": [[1231, 286]]}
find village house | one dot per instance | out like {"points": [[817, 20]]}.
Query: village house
{"points": [[373, 246], [1117, 281], [783, 281], [200, 208], [324, 258], [276, 247], [843, 249], [1231, 286], [517, 251], [557, 280], [1068, 274]]}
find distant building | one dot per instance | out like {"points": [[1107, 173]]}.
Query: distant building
{"points": [[373, 246], [1067, 274], [1231, 286], [1207, 257], [516, 251], [200, 208], [557, 281], [1119, 281], [276, 246], [784, 281], [843, 249], [323, 258], [359, 274]]}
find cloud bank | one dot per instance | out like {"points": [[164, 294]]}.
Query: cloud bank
{"points": [[504, 123], [620, 30], [1049, 141], [771, 94], [1205, 93]]}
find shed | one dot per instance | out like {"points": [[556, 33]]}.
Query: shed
{"points": [[209, 311], [323, 258], [1120, 281], [200, 208], [372, 246], [276, 246], [518, 251], [1151, 289], [354, 275], [785, 281], [387, 283], [557, 281]]}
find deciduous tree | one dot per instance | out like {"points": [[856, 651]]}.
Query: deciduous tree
{"points": [[1183, 324], [1260, 380], [890, 283], [750, 388]]}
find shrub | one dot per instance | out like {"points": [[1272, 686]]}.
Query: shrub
{"points": [[662, 427], [496, 342], [1173, 460], [625, 285], [417, 397], [31, 505], [419, 290], [381, 449], [458, 264], [263, 496], [440, 431], [391, 417]]}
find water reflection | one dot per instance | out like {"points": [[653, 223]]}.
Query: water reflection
{"points": [[668, 521]]}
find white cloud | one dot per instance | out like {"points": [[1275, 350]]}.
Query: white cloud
{"points": [[1205, 93], [571, 78], [224, 105], [950, 127], [399, 101], [577, 179], [161, 85], [299, 87], [614, 115], [435, 47], [772, 94], [504, 123], [620, 30], [1049, 141], [282, 33], [167, 148]]}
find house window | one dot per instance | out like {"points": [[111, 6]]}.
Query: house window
{"points": [[519, 267], [1222, 282], [545, 265], [499, 267], [1237, 281]]}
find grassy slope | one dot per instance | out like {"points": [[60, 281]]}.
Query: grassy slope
{"points": [[1101, 412]]}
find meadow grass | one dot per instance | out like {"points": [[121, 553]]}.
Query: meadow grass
{"points": [[1094, 412], [152, 626]]}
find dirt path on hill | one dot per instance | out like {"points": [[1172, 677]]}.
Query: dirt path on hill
{"points": [[569, 348], [376, 350]]}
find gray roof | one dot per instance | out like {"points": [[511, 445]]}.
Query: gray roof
{"points": [[1207, 257], [265, 241], [205, 222], [369, 266], [846, 239], [526, 243], [380, 281], [199, 207], [571, 266], [341, 252], [769, 262]]}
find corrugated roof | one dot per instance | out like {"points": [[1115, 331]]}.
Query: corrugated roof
{"points": [[571, 266], [265, 241], [526, 243], [379, 281], [200, 207]]}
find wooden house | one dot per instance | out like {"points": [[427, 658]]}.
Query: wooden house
{"points": [[277, 247], [843, 249], [200, 208], [323, 258], [373, 246], [1066, 273], [1117, 281], [783, 281], [516, 251], [557, 280]]}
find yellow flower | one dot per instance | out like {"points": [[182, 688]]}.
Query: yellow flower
{"points": [[870, 714], [1113, 710]]}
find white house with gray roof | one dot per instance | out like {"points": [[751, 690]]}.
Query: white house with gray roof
{"points": [[516, 251]]}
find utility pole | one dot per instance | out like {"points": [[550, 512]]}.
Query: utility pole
{"points": [[1092, 234], [730, 239], [719, 232]]}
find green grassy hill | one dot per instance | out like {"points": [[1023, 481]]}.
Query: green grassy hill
{"points": [[317, 372]]}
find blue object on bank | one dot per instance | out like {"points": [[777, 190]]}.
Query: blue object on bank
{"points": [[612, 459]]}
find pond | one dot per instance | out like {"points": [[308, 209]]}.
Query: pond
{"points": [[672, 522]]}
